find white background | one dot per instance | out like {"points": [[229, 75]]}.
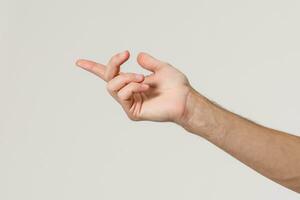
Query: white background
{"points": [[63, 137]]}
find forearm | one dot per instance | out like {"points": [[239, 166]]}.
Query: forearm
{"points": [[272, 153]]}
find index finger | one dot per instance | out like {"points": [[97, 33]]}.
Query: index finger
{"points": [[93, 67]]}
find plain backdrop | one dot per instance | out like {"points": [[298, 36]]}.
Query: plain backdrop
{"points": [[63, 137]]}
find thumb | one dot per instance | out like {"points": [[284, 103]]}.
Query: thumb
{"points": [[149, 62]]}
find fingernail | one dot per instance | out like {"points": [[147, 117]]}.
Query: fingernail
{"points": [[123, 53], [78, 62], [139, 77]]}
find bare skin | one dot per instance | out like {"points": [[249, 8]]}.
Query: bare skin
{"points": [[166, 95]]}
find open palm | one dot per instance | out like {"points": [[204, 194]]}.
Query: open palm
{"points": [[160, 96]]}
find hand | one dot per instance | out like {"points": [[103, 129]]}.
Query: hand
{"points": [[160, 96], [166, 95]]}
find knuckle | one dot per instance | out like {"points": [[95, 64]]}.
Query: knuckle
{"points": [[126, 76], [110, 90], [121, 75], [119, 55], [108, 87], [133, 118], [110, 64], [121, 96], [114, 60], [134, 85], [131, 77]]}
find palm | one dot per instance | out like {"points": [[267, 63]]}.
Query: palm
{"points": [[165, 99]]}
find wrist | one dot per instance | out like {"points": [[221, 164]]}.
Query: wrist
{"points": [[202, 117]]}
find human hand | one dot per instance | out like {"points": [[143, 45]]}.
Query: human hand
{"points": [[166, 95], [160, 96]]}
